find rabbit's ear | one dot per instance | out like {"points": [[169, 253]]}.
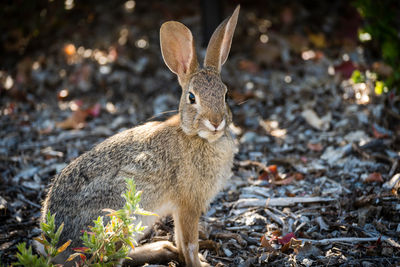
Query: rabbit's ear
{"points": [[177, 48], [220, 42]]}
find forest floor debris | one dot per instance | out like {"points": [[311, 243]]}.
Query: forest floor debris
{"points": [[316, 180]]}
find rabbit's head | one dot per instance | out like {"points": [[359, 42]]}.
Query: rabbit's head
{"points": [[203, 108]]}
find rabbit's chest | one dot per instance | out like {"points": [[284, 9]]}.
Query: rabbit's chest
{"points": [[210, 168]]}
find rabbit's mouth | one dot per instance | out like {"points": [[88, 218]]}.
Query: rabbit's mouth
{"points": [[210, 136], [212, 132]]}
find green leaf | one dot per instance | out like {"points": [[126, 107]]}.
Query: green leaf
{"points": [[357, 77]]}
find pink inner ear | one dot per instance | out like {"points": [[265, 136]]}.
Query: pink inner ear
{"points": [[184, 57]]}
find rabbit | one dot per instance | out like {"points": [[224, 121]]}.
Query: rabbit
{"points": [[180, 164]]}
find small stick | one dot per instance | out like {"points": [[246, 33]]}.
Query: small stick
{"points": [[344, 239]]}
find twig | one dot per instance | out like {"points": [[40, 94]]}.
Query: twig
{"points": [[344, 239], [22, 198], [393, 168], [274, 217], [279, 201]]}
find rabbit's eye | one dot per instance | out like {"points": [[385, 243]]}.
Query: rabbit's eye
{"points": [[192, 99]]}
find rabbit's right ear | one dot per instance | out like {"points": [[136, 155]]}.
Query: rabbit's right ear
{"points": [[177, 48], [220, 42]]}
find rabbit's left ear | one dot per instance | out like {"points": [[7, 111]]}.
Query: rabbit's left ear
{"points": [[220, 42], [177, 48]]}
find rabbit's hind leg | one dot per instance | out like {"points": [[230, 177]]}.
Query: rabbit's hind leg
{"points": [[157, 252]]}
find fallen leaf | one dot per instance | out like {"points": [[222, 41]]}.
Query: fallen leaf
{"points": [[76, 121], [286, 238], [265, 243], [292, 244], [374, 177]]}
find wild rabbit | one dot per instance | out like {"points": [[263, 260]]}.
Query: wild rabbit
{"points": [[179, 164]]}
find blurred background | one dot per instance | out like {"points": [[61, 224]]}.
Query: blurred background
{"points": [[307, 80]]}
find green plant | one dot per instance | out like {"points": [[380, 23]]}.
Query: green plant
{"points": [[381, 27], [25, 256], [104, 245]]}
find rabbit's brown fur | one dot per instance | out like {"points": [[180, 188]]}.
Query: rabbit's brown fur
{"points": [[179, 164]]}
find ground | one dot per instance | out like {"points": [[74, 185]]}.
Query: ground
{"points": [[316, 178]]}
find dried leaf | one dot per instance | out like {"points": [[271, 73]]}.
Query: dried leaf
{"points": [[292, 244], [64, 246], [265, 243], [286, 238], [374, 177], [76, 121], [41, 239]]}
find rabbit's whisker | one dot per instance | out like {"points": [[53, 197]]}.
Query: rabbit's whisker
{"points": [[161, 113]]}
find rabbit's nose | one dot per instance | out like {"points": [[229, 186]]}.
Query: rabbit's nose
{"points": [[215, 124], [218, 125]]}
